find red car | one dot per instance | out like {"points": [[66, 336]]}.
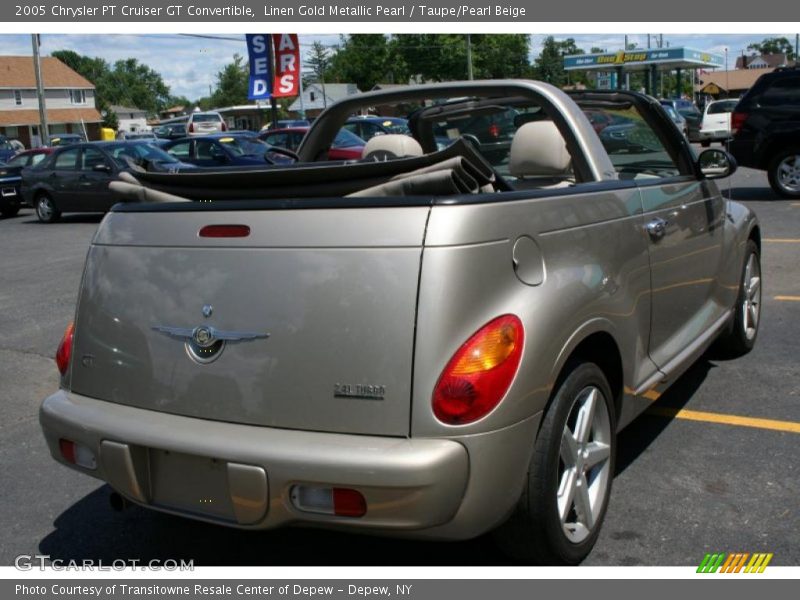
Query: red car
{"points": [[346, 145]]}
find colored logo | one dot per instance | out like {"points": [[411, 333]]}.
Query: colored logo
{"points": [[735, 562]]}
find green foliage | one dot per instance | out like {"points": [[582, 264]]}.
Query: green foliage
{"points": [[549, 66], [362, 59], [128, 83], [319, 62], [132, 83], [232, 84], [776, 45]]}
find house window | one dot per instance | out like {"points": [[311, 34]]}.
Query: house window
{"points": [[77, 96], [18, 97], [312, 95]]}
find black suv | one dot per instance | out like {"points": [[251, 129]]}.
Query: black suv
{"points": [[766, 129]]}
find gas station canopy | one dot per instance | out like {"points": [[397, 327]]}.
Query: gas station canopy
{"points": [[611, 67], [663, 59]]}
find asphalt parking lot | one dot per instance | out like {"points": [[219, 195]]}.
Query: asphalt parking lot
{"points": [[713, 467]]}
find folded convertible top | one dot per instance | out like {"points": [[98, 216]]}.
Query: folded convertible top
{"points": [[469, 172]]}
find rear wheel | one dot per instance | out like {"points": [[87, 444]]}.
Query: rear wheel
{"points": [[783, 172], [46, 210], [561, 510], [740, 337]]}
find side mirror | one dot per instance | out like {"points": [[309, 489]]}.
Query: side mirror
{"points": [[716, 163], [102, 168]]}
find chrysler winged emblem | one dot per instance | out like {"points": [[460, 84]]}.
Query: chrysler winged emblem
{"points": [[204, 343]]}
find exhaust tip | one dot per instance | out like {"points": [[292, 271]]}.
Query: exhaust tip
{"points": [[118, 503]]}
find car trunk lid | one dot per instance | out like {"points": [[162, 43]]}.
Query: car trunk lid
{"points": [[320, 303]]}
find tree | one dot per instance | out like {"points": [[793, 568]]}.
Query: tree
{"points": [[549, 65], [135, 84], [362, 59], [232, 83], [500, 56], [318, 61], [777, 45]]}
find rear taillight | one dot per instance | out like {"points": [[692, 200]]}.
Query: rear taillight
{"points": [[77, 454], [64, 352], [737, 121], [224, 127], [494, 130], [191, 127], [342, 502], [480, 373]]}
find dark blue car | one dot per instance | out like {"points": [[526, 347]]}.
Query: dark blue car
{"points": [[225, 150]]}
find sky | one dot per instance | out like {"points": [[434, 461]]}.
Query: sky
{"points": [[189, 64]]}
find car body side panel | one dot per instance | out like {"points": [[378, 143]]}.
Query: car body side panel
{"points": [[684, 263], [596, 272]]}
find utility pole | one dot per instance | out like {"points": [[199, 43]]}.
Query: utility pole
{"points": [[44, 133], [470, 75]]}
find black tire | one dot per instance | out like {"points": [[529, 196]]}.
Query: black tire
{"points": [[705, 143], [740, 335], [9, 211], [534, 533], [786, 158], [43, 213]]}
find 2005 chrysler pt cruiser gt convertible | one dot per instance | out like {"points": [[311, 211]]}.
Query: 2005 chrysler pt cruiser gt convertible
{"points": [[440, 339]]}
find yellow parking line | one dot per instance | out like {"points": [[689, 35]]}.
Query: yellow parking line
{"points": [[795, 203], [709, 417], [782, 240], [788, 298]]}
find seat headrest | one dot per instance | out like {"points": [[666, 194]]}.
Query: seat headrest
{"points": [[391, 145], [538, 150]]}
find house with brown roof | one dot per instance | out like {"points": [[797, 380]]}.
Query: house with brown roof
{"points": [[762, 61], [69, 100], [728, 84]]}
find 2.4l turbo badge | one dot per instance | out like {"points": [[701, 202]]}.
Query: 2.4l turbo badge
{"points": [[359, 390]]}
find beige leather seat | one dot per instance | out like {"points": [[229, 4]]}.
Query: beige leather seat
{"points": [[391, 146], [539, 157]]}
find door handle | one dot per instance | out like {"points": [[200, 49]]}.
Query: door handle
{"points": [[657, 228]]}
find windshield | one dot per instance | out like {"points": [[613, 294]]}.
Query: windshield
{"points": [[244, 145], [347, 139], [139, 153], [716, 108]]}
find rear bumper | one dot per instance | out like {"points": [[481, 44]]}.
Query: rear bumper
{"points": [[718, 135], [242, 475]]}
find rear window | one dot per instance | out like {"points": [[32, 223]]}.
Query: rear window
{"points": [[206, 118], [783, 91], [716, 108]]}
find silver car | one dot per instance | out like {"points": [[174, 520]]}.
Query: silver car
{"points": [[419, 343]]}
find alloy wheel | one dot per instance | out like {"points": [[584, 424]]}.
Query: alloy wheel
{"points": [[751, 307], [788, 173], [584, 464]]}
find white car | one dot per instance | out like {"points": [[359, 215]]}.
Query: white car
{"points": [[204, 123], [716, 126]]}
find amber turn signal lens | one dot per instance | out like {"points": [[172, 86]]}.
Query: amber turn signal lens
{"points": [[478, 376]]}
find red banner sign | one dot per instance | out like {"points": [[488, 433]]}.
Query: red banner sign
{"points": [[286, 80]]}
